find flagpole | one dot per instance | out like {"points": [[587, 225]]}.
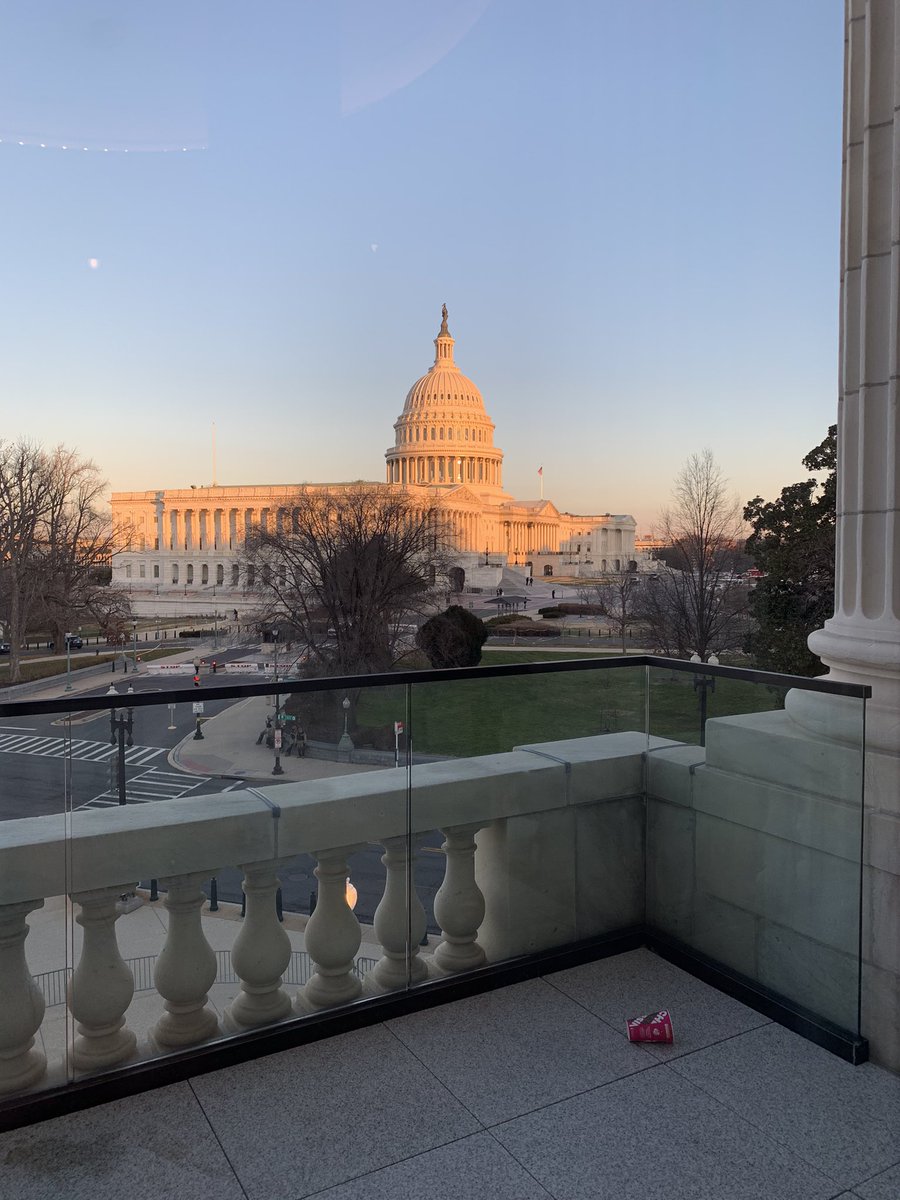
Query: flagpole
{"points": [[541, 477]]}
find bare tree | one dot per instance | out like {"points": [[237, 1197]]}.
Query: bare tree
{"points": [[76, 544], [24, 504], [618, 595], [53, 538], [347, 569], [697, 601]]}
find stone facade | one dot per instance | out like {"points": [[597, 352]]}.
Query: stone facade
{"points": [[181, 548]]}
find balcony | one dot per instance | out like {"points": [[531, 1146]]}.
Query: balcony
{"points": [[556, 852]]}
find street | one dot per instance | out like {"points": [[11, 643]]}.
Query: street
{"points": [[50, 763]]}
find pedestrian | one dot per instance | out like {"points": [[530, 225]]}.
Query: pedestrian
{"points": [[553, 594]]}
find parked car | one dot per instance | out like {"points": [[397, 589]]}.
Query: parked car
{"points": [[74, 641], [4, 647]]}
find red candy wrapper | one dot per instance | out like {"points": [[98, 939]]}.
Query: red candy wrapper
{"points": [[654, 1027]]}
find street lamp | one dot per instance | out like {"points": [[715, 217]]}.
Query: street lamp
{"points": [[68, 662], [277, 769], [121, 727], [345, 744]]}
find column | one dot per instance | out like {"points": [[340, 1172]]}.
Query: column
{"points": [[332, 936], [861, 642], [189, 534], [218, 514], [102, 986], [174, 540], [22, 1064], [399, 922], [260, 956], [186, 967], [160, 526], [203, 526], [459, 903], [232, 528]]}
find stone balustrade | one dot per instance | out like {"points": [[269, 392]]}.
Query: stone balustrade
{"points": [[95, 856]]}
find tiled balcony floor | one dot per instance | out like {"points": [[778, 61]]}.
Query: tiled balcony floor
{"points": [[531, 1091]]}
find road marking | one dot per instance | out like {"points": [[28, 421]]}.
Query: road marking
{"points": [[76, 748], [148, 787], [25, 728]]}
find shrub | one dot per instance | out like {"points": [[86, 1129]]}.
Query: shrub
{"points": [[505, 619], [453, 638], [573, 610], [530, 630]]}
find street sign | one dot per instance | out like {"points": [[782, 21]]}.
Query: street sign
{"points": [[398, 727], [288, 717], [197, 706], [277, 739]]}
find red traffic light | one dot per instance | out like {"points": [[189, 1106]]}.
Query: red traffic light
{"points": [[196, 681]]}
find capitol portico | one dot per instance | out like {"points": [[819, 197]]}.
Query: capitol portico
{"points": [[182, 549]]}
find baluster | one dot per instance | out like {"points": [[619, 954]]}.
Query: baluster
{"points": [[399, 922], [459, 904], [260, 955], [101, 988], [186, 968], [332, 937], [22, 1064]]}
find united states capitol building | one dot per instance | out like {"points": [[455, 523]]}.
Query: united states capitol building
{"points": [[182, 548]]}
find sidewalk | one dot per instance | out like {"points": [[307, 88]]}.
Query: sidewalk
{"points": [[228, 747]]}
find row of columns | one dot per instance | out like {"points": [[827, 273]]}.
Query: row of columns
{"points": [[102, 986], [529, 537], [214, 529], [444, 468]]}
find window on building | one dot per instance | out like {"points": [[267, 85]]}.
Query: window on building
{"points": [[204, 573], [189, 573], [174, 572], [142, 571], [128, 570], [220, 574], [156, 570], [251, 576], [235, 575]]}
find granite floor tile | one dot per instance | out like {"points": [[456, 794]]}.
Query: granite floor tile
{"points": [[470, 1169], [629, 985], [159, 1140], [507, 1052], [844, 1119], [303, 1120], [654, 1136], [885, 1186]]}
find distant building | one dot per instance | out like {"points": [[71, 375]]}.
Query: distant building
{"points": [[181, 548]]}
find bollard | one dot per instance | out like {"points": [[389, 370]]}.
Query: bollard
{"points": [[213, 895], [154, 889]]}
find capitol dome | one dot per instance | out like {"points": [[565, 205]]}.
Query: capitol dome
{"points": [[444, 435]]}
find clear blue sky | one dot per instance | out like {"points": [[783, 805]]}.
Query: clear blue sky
{"points": [[630, 209]]}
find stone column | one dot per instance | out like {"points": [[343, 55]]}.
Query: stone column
{"points": [[861, 642]]}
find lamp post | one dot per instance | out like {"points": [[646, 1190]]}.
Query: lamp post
{"points": [[704, 684], [277, 769], [345, 744], [121, 727], [68, 662]]}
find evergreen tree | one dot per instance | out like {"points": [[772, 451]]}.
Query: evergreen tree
{"points": [[793, 545]]}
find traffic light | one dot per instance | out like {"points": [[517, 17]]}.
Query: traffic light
{"points": [[196, 681], [213, 666]]}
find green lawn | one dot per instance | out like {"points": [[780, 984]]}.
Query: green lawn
{"points": [[48, 668], [484, 716]]}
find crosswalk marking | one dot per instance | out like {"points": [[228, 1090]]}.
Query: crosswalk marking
{"points": [[150, 785], [78, 748]]}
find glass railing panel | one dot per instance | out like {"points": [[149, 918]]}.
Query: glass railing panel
{"points": [[754, 832], [529, 786]]}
